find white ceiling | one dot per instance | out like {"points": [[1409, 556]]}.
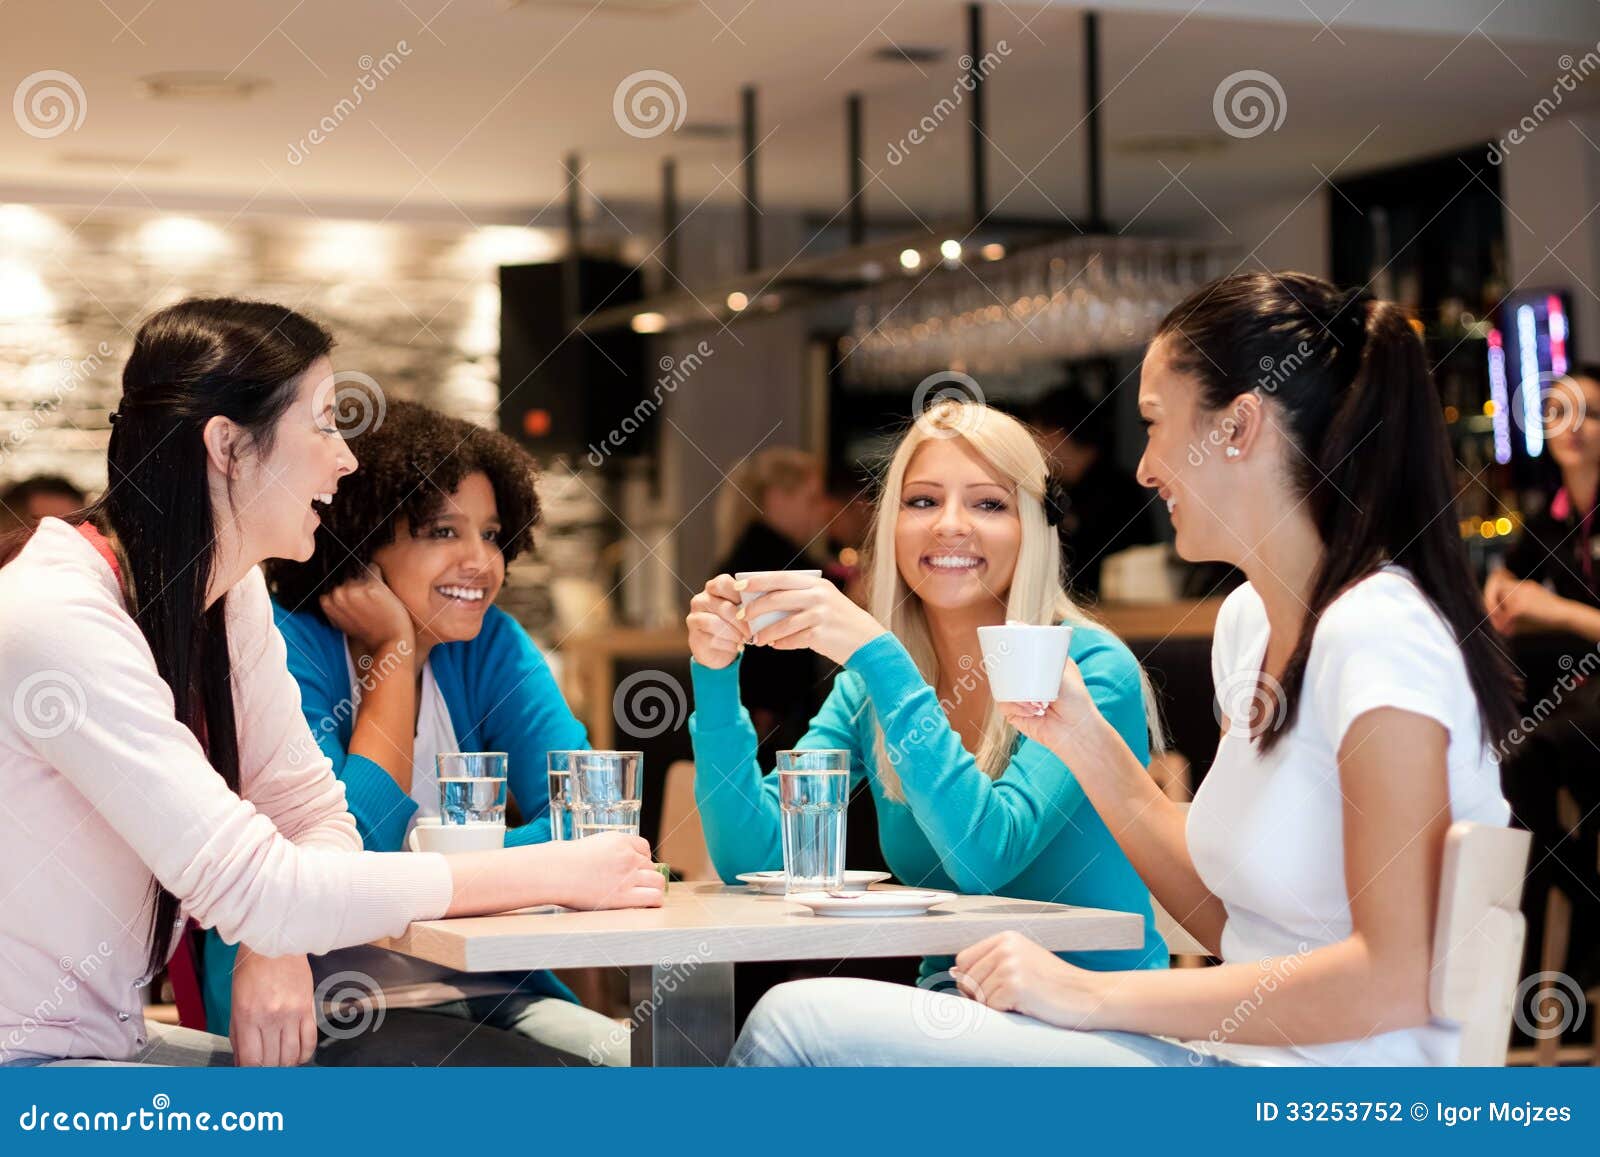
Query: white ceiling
{"points": [[475, 119]]}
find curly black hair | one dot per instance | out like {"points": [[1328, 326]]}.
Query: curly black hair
{"points": [[411, 460]]}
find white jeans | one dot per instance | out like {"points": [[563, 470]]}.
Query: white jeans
{"points": [[844, 1022], [166, 1045]]}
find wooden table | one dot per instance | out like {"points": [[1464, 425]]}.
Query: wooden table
{"points": [[680, 956]]}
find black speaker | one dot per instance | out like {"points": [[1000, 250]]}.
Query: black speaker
{"points": [[561, 391]]}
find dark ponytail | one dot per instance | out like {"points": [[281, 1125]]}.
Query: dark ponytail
{"points": [[192, 362], [1349, 379]]}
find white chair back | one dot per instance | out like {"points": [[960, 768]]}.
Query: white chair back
{"points": [[1477, 938]]}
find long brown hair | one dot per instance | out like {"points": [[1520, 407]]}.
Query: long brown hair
{"points": [[1350, 381]]}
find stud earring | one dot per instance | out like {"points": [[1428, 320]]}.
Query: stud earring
{"points": [[1232, 451]]}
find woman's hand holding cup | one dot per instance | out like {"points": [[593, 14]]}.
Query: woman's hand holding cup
{"points": [[717, 630]]}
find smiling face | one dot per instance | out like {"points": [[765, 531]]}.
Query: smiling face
{"points": [[275, 492], [448, 570], [1185, 460], [957, 533]]}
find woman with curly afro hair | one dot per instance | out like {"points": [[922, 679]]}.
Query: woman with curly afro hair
{"points": [[400, 654]]}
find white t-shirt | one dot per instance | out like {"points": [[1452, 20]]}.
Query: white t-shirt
{"points": [[1267, 833]]}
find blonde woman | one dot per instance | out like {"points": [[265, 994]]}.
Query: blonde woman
{"points": [[962, 539]]}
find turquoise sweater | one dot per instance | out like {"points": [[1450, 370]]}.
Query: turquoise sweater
{"points": [[1030, 834], [501, 696]]}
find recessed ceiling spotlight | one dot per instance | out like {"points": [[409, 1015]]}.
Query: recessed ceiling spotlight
{"points": [[200, 85], [909, 54]]}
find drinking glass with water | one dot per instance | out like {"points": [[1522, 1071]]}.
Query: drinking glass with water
{"points": [[561, 795], [472, 787], [813, 792], [603, 792]]}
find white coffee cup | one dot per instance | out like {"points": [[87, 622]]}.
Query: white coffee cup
{"points": [[762, 622], [430, 835], [1024, 662]]}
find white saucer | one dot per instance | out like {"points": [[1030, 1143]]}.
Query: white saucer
{"points": [[889, 902], [772, 883]]}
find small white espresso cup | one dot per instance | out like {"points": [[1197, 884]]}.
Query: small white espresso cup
{"points": [[431, 836], [1024, 662], [761, 622]]}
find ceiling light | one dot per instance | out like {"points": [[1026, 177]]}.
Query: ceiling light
{"points": [[910, 259], [200, 85], [649, 322]]}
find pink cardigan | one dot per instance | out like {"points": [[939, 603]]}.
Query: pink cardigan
{"points": [[103, 789]]}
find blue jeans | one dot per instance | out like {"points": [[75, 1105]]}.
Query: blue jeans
{"points": [[841, 1022]]}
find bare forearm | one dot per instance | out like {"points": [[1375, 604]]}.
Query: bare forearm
{"points": [[1582, 620], [1336, 993], [386, 720], [1148, 827], [484, 883]]}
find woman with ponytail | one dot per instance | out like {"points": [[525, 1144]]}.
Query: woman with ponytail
{"points": [[1294, 433], [157, 764]]}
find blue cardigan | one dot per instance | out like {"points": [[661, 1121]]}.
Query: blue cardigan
{"points": [[501, 697]]}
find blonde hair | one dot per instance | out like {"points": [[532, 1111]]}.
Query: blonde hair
{"points": [[744, 493], [1037, 593]]}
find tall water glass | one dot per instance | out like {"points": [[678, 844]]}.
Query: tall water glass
{"points": [[472, 787], [603, 792], [561, 795], [813, 792]]}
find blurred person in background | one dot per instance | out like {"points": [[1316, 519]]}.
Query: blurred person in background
{"points": [[42, 496], [1547, 598], [1108, 510], [772, 514]]}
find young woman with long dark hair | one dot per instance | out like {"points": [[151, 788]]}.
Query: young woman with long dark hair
{"points": [[158, 766], [1295, 433]]}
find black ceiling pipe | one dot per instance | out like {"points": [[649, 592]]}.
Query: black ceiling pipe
{"points": [[975, 114], [570, 267], [856, 165], [1095, 169], [752, 211], [669, 219]]}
